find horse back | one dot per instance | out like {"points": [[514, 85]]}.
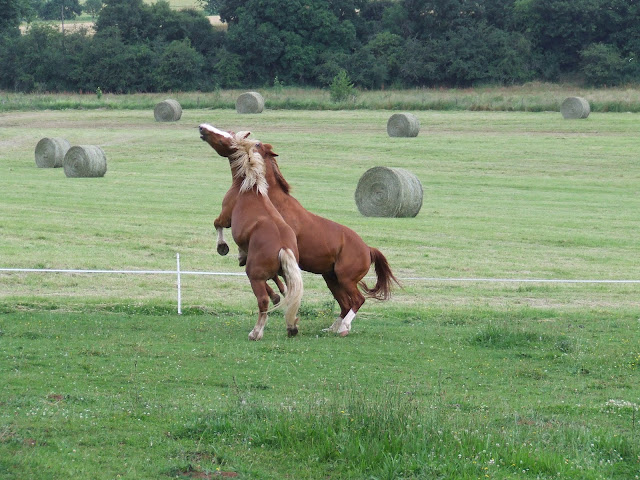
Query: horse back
{"points": [[257, 225]]}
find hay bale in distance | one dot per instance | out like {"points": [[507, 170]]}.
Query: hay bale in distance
{"points": [[50, 152], [250, 102], [575, 107], [403, 125], [85, 161], [167, 111], [389, 192]]}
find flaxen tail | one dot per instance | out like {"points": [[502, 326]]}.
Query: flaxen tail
{"points": [[293, 278], [382, 288]]}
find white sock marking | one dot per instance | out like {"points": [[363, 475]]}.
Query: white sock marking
{"points": [[346, 322]]}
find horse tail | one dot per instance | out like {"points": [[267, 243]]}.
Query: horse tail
{"points": [[382, 288], [293, 278]]}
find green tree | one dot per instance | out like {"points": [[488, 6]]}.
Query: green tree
{"points": [[180, 67], [560, 29], [35, 61], [93, 7], [602, 65], [110, 63], [375, 65], [211, 7], [59, 9], [12, 12], [285, 39], [168, 25], [228, 69], [131, 18]]}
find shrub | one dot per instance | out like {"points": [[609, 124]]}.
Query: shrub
{"points": [[341, 88]]}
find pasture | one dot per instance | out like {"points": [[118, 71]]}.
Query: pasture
{"points": [[448, 379]]}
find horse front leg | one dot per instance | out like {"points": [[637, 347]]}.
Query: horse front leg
{"points": [[221, 245], [224, 220]]}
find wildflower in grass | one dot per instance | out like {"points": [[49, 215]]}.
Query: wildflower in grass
{"points": [[614, 406]]}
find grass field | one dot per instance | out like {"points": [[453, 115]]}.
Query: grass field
{"points": [[449, 379], [531, 97]]}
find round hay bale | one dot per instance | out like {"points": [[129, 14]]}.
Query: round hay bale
{"points": [[389, 192], [167, 111], [250, 102], [403, 125], [85, 161], [50, 152], [575, 107]]}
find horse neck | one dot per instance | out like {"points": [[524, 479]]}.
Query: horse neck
{"points": [[238, 178], [235, 176], [276, 187]]}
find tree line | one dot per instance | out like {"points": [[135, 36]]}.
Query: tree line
{"points": [[139, 47]]}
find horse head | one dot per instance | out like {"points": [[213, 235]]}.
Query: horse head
{"points": [[265, 149], [223, 142], [245, 155], [272, 168]]}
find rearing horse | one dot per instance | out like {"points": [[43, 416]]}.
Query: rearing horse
{"points": [[258, 228], [327, 248]]}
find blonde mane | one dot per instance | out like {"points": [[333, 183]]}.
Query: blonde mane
{"points": [[248, 164]]}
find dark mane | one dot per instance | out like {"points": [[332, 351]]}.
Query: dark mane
{"points": [[279, 178]]}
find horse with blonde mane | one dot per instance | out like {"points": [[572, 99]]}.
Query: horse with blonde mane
{"points": [[268, 242], [327, 248]]}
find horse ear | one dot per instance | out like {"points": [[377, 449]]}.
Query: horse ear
{"points": [[242, 135], [269, 148]]}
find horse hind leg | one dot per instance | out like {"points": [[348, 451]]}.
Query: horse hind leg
{"points": [[341, 297], [295, 289], [275, 298], [242, 258], [356, 300], [260, 290]]}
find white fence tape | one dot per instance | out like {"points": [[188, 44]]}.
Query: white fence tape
{"points": [[179, 273]]}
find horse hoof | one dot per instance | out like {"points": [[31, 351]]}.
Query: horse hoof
{"points": [[223, 249], [275, 299], [335, 326], [292, 332], [242, 261], [344, 334], [254, 336]]}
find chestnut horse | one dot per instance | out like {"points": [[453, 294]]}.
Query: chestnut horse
{"points": [[326, 247], [268, 243]]}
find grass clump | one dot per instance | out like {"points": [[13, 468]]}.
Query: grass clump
{"points": [[387, 435], [495, 336]]}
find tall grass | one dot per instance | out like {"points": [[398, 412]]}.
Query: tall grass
{"points": [[535, 97], [390, 434], [420, 393]]}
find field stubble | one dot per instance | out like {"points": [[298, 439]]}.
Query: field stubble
{"points": [[506, 195]]}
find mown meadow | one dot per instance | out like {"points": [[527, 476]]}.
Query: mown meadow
{"points": [[454, 377]]}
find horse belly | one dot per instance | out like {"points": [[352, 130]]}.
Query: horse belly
{"points": [[317, 253]]}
